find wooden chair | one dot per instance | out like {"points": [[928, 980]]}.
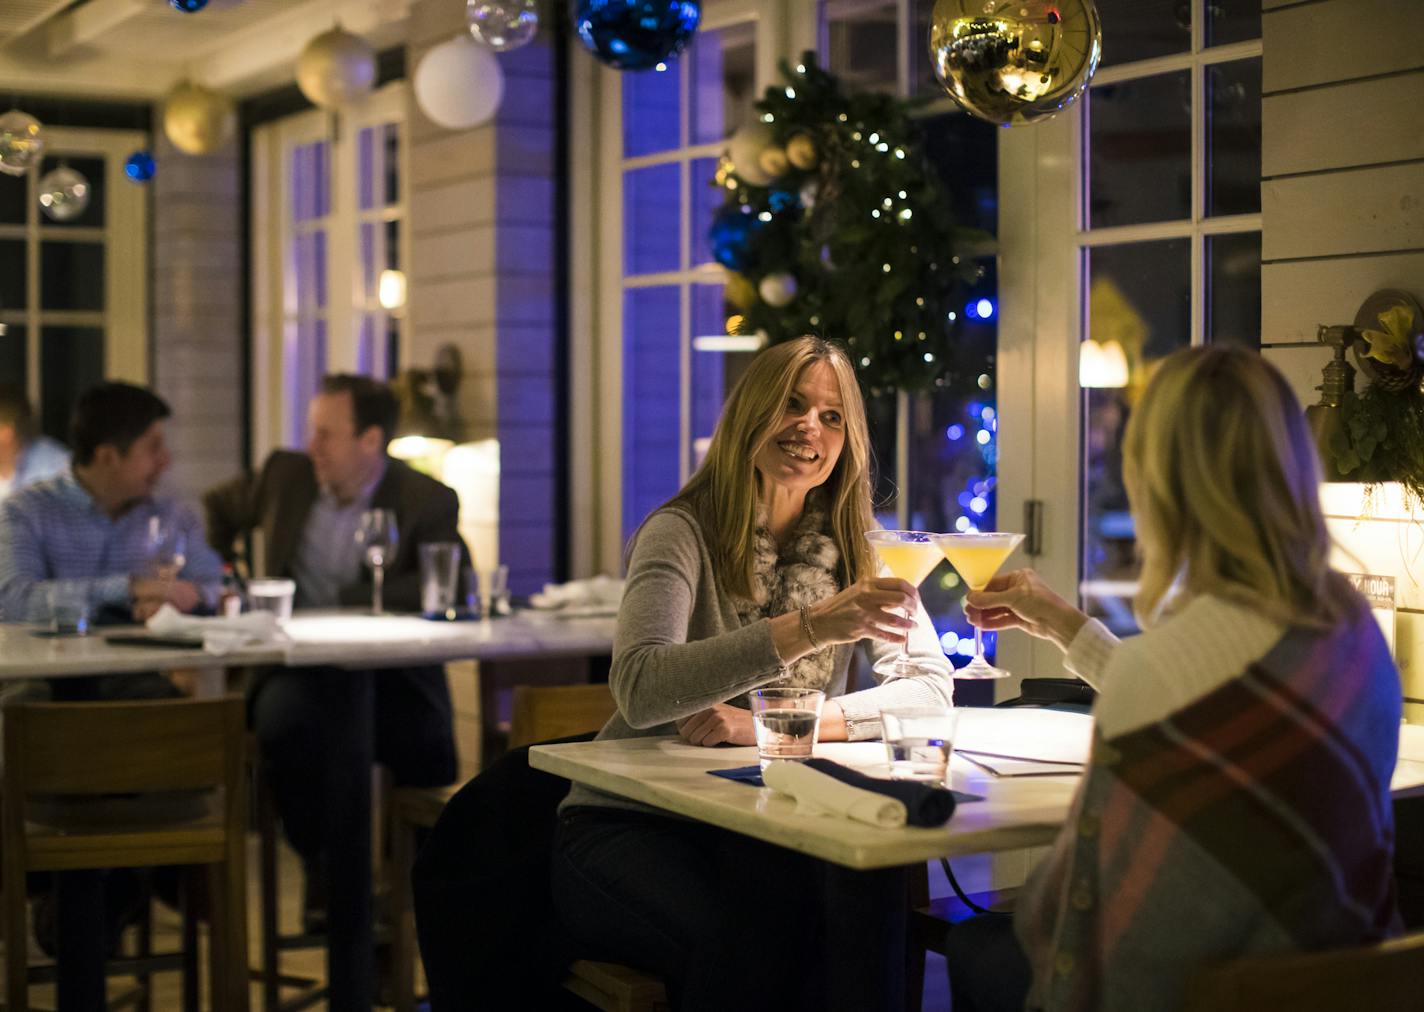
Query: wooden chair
{"points": [[74, 750], [1389, 975], [540, 714], [932, 922]]}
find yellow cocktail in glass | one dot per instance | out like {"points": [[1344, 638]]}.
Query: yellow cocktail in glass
{"points": [[977, 557], [909, 555]]}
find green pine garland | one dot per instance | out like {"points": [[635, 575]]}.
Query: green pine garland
{"points": [[873, 252], [1382, 438]]}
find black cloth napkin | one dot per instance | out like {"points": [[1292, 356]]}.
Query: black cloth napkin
{"points": [[924, 805]]}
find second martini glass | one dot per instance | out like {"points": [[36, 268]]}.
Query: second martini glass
{"points": [[909, 555], [978, 557]]}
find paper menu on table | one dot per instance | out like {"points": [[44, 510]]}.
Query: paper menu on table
{"points": [[1021, 741]]}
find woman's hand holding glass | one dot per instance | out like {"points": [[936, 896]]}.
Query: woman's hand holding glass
{"points": [[1021, 600], [880, 608]]}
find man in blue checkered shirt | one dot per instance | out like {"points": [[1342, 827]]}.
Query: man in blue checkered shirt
{"points": [[96, 522]]}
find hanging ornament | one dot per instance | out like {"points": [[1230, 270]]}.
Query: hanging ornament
{"points": [[745, 147], [459, 83], [1015, 61], [21, 142], [801, 152], [140, 167], [502, 25], [809, 192], [636, 34], [773, 161], [336, 68], [732, 230], [188, 6], [198, 120], [64, 193], [740, 291], [778, 290]]}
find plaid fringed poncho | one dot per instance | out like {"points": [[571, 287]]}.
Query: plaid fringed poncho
{"points": [[1254, 819]]}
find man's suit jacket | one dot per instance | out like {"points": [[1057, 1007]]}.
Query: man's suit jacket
{"points": [[278, 499]]}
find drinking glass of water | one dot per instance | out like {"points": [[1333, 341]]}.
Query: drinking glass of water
{"points": [[377, 536], [786, 721], [167, 548], [918, 742]]}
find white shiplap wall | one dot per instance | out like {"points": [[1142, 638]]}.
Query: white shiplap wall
{"points": [[1342, 202]]}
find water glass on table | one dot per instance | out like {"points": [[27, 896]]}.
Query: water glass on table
{"points": [[786, 721], [167, 549], [918, 742], [272, 595], [439, 578], [69, 604]]}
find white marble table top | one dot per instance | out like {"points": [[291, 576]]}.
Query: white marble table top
{"points": [[1016, 812], [346, 639]]}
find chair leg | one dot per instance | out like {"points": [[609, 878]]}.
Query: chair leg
{"points": [[267, 834], [145, 949], [227, 954], [16, 943], [402, 912], [191, 984]]}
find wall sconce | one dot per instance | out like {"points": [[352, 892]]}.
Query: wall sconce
{"points": [[1102, 366], [391, 290]]}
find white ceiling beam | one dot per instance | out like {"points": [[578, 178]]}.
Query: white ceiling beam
{"points": [[94, 77], [89, 22], [44, 14]]}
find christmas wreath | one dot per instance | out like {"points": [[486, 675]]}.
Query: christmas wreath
{"points": [[835, 224]]}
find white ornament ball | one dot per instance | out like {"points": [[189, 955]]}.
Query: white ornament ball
{"points": [[21, 142], [801, 152], [777, 290], [809, 192], [198, 120], [459, 83], [503, 25], [744, 148], [773, 162], [336, 68], [64, 194]]}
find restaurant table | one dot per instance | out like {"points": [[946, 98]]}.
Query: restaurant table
{"points": [[866, 865], [349, 639]]}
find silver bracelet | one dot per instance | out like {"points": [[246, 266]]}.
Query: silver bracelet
{"points": [[806, 628]]}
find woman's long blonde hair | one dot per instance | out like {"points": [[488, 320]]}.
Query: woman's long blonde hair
{"points": [[723, 494], [1222, 475]]}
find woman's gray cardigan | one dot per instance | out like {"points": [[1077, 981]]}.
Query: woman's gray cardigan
{"points": [[680, 647]]}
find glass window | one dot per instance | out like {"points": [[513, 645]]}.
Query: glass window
{"points": [[861, 43], [652, 219], [652, 418], [71, 361], [652, 117], [1142, 29], [1140, 151], [14, 198], [72, 275], [722, 82], [1232, 22], [12, 354], [14, 273], [1233, 265], [1233, 158]]}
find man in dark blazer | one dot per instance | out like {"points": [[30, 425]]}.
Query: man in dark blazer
{"points": [[313, 723]]}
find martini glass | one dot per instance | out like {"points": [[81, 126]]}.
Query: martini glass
{"points": [[909, 555], [978, 557]]}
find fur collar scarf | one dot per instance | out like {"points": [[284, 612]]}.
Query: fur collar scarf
{"points": [[802, 573]]}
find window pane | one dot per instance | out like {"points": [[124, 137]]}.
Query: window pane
{"points": [[393, 343], [651, 117], [722, 79], [1141, 29], [309, 262], [880, 418], [71, 361], [1233, 179], [311, 195], [13, 357], [1139, 151], [393, 244], [391, 162], [92, 169], [72, 275], [14, 199], [714, 371], [1139, 310], [651, 410], [368, 267], [862, 43], [366, 325], [1233, 265], [366, 169], [651, 223], [14, 272], [923, 80], [706, 199], [965, 152], [1232, 22]]}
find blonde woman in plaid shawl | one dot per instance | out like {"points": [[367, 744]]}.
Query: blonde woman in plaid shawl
{"points": [[1238, 796]]}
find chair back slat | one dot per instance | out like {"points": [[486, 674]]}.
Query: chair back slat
{"points": [[125, 747], [543, 712]]}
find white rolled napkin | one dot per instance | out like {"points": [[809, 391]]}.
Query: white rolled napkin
{"points": [[596, 595], [218, 635], [818, 794]]}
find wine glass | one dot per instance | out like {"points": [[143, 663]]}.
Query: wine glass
{"points": [[977, 556], [377, 535], [909, 555], [166, 548]]}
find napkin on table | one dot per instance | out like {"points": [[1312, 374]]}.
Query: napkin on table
{"points": [[218, 635], [596, 595], [924, 805], [817, 793]]}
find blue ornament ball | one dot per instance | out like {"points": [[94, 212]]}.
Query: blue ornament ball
{"points": [[636, 34], [732, 232], [140, 167], [188, 6], [785, 203]]}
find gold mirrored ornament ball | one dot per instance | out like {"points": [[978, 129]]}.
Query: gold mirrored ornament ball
{"points": [[1012, 63], [801, 152], [773, 161], [198, 120], [740, 291], [336, 68]]}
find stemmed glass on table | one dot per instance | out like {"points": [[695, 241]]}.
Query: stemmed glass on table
{"points": [[377, 535], [909, 555], [977, 556], [167, 549]]}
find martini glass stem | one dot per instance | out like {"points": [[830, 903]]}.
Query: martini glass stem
{"points": [[979, 646], [377, 578]]}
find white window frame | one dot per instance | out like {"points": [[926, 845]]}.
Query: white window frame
{"points": [[124, 318], [1043, 315], [277, 417]]}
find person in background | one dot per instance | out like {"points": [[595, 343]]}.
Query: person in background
{"points": [[25, 456], [1237, 799], [307, 507]]}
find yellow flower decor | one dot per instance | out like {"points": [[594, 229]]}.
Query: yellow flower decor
{"points": [[1393, 345]]}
